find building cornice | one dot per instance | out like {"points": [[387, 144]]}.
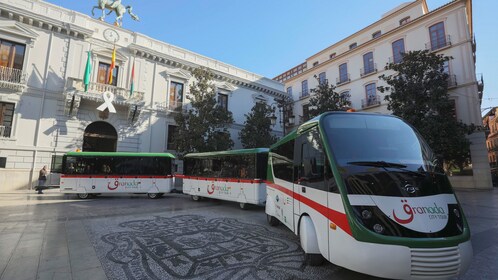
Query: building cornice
{"points": [[43, 22], [169, 60]]}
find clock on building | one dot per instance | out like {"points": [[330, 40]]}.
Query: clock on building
{"points": [[111, 35]]}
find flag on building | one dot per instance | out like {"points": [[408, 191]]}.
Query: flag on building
{"points": [[88, 71], [113, 64], [132, 84]]}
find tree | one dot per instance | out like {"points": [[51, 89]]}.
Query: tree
{"points": [[325, 99], [257, 127], [203, 126], [418, 93]]}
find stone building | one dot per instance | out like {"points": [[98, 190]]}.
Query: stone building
{"points": [[45, 110]]}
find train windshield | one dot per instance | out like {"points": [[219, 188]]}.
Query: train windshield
{"points": [[380, 155]]}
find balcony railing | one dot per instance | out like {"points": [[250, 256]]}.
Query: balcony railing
{"points": [[439, 43], [343, 79], [95, 90], [397, 60], [170, 106], [370, 101], [5, 131], [452, 81], [369, 70], [12, 78]]}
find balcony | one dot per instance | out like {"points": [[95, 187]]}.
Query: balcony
{"points": [[11, 78], [452, 81], [169, 107], [343, 80], [5, 131], [304, 94], [438, 44], [395, 60], [371, 101], [372, 69], [95, 90]]}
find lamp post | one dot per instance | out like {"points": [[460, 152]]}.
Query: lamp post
{"points": [[281, 105]]}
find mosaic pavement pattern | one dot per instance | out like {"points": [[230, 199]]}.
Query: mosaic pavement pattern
{"points": [[196, 247]]}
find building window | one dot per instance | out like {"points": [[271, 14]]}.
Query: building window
{"points": [[332, 55], [304, 88], [376, 34], [404, 21], [453, 108], [175, 95], [172, 132], [289, 91], [438, 38], [223, 100], [343, 73], [315, 63], [353, 45], [322, 78], [6, 119], [104, 72], [371, 92], [345, 95], [306, 112], [398, 50], [11, 54], [368, 63]]}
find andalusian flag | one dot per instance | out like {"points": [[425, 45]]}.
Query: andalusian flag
{"points": [[132, 84], [113, 64], [88, 71]]}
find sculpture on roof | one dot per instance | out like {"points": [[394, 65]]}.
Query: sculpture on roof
{"points": [[114, 6]]}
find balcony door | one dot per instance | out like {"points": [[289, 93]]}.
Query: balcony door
{"points": [[100, 137]]}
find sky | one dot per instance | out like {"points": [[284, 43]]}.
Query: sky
{"points": [[268, 37]]}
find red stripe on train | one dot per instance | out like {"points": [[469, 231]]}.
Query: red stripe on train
{"points": [[338, 218], [231, 180], [79, 176]]}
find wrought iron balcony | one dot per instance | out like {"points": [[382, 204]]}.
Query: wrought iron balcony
{"points": [[440, 43], [170, 106], [368, 70], [5, 131], [397, 60], [343, 80], [12, 78], [371, 101], [304, 94], [95, 90], [452, 81]]}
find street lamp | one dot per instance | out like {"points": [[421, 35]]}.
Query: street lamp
{"points": [[281, 104]]}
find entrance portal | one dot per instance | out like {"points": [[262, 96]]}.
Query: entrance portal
{"points": [[100, 137]]}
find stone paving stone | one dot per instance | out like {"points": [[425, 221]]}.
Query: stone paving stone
{"points": [[94, 274], [55, 275], [54, 263], [21, 269], [84, 262]]}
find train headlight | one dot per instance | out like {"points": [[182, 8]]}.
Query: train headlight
{"points": [[378, 228], [366, 214], [457, 213]]}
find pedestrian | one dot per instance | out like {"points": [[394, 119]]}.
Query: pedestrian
{"points": [[42, 179]]}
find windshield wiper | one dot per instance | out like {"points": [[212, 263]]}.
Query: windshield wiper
{"points": [[385, 164], [378, 164]]}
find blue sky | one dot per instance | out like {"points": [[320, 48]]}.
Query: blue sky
{"points": [[268, 37]]}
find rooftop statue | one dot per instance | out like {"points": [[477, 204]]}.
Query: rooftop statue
{"points": [[114, 6]]}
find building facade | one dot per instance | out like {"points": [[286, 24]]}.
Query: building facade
{"points": [[490, 124], [45, 109], [355, 63]]}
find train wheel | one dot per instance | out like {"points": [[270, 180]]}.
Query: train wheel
{"points": [[83, 195], [272, 221], [195, 198], [313, 259], [153, 195], [243, 206]]}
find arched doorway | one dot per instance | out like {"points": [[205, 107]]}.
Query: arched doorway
{"points": [[100, 137]]}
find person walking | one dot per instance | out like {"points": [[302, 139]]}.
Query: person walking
{"points": [[42, 179]]}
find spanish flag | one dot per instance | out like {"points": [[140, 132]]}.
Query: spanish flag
{"points": [[113, 64]]}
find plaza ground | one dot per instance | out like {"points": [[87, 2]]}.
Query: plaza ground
{"points": [[55, 236]]}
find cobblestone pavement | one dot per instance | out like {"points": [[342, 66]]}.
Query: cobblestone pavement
{"points": [[52, 236]]}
